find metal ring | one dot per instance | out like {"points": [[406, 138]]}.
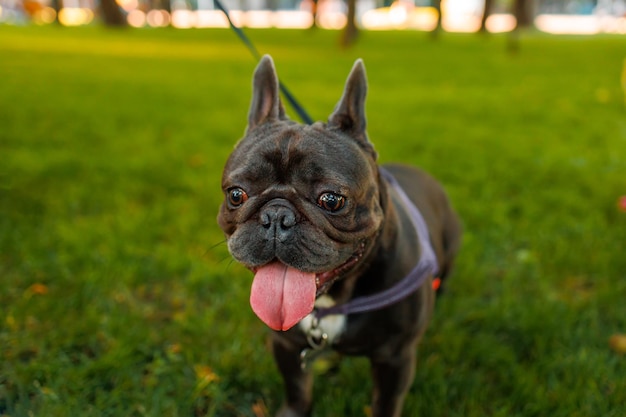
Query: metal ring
{"points": [[317, 342]]}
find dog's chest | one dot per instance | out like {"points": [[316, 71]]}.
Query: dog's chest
{"points": [[327, 330]]}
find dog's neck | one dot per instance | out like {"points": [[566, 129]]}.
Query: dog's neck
{"points": [[349, 286]]}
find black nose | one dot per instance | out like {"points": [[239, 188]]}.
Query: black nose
{"points": [[278, 219]]}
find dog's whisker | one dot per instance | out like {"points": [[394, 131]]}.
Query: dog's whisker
{"points": [[228, 259], [212, 248], [232, 261]]}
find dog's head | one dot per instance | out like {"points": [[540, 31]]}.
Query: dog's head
{"points": [[302, 203]]}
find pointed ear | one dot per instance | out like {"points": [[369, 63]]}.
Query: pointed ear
{"points": [[265, 103], [349, 114]]}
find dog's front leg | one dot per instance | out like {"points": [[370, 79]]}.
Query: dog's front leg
{"points": [[298, 383], [392, 379]]}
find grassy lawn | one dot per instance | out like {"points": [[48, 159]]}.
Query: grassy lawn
{"points": [[118, 296]]}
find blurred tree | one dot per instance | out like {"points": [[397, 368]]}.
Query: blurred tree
{"points": [[314, 13], [438, 28], [57, 5], [486, 12], [350, 32], [112, 14], [523, 12], [162, 5]]}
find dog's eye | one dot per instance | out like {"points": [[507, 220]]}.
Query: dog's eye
{"points": [[331, 201], [237, 196]]}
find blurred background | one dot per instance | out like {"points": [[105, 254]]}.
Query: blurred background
{"points": [[552, 16]]}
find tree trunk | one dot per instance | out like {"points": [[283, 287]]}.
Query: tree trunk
{"points": [[438, 28], [314, 13], [165, 5], [57, 5], [350, 32], [522, 10], [486, 13], [112, 14]]}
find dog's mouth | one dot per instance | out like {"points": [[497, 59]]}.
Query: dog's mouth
{"points": [[281, 295], [325, 280]]}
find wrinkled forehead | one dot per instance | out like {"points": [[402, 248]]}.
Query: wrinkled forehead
{"points": [[310, 152]]}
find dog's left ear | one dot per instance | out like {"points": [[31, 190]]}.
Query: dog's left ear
{"points": [[266, 104], [349, 114]]}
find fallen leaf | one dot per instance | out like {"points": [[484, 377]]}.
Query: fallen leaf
{"points": [[39, 289], [618, 343], [205, 374], [259, 409]]}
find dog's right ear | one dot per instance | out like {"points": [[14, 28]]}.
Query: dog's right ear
{"points": [[266, 104]]}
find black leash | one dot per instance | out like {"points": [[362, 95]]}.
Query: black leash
{"points": [[304, 116]]}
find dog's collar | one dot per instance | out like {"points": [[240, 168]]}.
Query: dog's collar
{"points": [[426, 266]]}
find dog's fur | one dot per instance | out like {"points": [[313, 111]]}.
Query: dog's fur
{"points": [[310, 198]]}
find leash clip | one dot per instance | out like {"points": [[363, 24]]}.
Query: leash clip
{"points": [[318, 342], [317, 338]]}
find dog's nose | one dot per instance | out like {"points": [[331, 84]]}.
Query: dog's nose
{"points": [[279, 219]]}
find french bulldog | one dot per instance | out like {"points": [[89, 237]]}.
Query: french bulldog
{"points": [[308, 210]]}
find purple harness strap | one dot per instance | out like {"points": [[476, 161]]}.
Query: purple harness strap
{"points": [[409, 284]]}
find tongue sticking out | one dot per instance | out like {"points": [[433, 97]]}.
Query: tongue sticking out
{"points": [[282, 296]]}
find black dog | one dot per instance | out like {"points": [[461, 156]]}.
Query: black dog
{"points": [[344, 251]]}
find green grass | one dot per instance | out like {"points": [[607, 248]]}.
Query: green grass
{"points": [[118, 296]]}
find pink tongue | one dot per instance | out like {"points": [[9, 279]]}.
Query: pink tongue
{"points": [[282, 296]]}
